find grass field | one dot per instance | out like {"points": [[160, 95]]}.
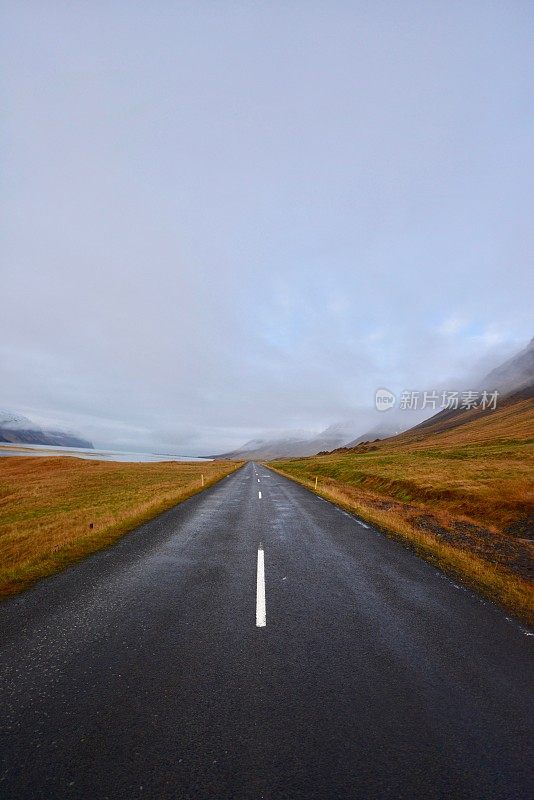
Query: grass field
{"points": [[47, 506], [462, 498]]}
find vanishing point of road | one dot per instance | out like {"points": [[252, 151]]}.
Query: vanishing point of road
{"points": [[259, 642]]}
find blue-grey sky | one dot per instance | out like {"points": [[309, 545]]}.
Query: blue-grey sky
{"points": [[223, 219]]}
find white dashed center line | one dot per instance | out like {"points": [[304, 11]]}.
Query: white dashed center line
{"points": [[261, 613], [259, 495]]}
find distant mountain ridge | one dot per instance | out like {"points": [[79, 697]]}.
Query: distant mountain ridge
{"points": [[17, 429], [380, 432], [291, 445]]}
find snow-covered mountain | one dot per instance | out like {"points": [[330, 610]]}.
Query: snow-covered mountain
{"points": [[17, 429]]}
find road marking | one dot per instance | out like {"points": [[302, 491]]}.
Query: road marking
{"points": [[364, 525], [259, 495], [261, 613]]}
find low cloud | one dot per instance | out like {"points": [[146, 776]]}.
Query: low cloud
{"points": [[217, 231]]}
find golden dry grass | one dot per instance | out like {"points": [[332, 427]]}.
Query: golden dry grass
{"points": [[48, 504], [461, 498]]}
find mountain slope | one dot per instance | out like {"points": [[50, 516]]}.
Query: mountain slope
{"points": [[514, 377], [514, 380]]}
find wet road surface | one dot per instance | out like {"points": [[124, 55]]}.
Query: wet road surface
{"points": [[258, 642]]}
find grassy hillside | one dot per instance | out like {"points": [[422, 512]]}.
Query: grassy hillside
{"points": [[462, 497], [47, 506]]}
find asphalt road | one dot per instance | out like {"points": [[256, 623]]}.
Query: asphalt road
{"points": [[147, 672]]}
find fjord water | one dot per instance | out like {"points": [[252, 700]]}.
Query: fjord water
{"points": [[85, 452]]}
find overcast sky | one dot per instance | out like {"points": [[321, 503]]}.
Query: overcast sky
{"points": [[223, 219]]}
